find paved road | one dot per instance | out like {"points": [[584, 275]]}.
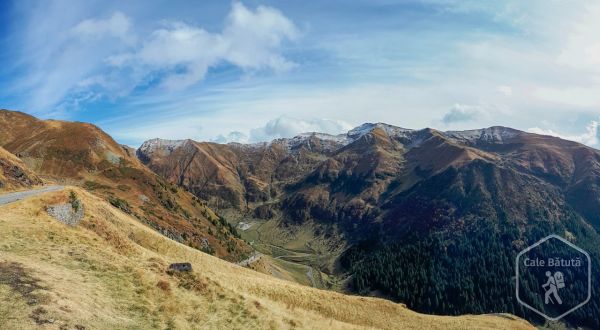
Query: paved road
{"points": [[16, 196]]}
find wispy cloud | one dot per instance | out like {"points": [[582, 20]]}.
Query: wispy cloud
{"points": [[118, 25], [108, 57]]}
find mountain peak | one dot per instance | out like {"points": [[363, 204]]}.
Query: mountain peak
{"points": [[366, 128], [156, 143]]}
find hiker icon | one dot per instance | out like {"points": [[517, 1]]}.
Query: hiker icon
{"points": [[554, 283]]}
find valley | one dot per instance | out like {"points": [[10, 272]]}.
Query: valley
{"points": [[293, 260]]}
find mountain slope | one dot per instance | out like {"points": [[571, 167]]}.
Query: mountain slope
{"points": [[385, 194], [234, 175], [14, 174], [84, 155], [109, 272]]}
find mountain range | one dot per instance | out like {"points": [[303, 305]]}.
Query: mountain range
{"points": [[404, 213], [428, 218]]}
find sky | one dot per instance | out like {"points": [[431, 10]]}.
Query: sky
{"points": [[249, 71]]}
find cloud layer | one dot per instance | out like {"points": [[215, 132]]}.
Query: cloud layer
{"points": [[285, 127]]}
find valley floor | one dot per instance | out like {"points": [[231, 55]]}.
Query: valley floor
{"points": [[286, 255]]}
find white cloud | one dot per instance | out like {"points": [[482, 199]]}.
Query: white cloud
{"points": [[590, 137], [234, 136], [285, 126], [118, 25], [463, 112], [250, 40]]}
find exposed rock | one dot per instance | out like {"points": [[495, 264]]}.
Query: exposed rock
{"points": [[252, 259], [180, 267], [67, 213], [14, 173], [204, 243]]}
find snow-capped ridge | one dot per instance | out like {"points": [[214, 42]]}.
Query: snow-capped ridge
{"points": [[366, 128], [340, 138], [409, 137], [164, 145], [490, 134]]}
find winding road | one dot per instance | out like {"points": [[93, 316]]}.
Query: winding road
{"points": [[19, 195]]}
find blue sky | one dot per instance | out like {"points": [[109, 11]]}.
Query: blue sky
{"points": [[256, 70]]}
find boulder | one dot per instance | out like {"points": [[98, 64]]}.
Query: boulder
{"points": [[180, 267]]}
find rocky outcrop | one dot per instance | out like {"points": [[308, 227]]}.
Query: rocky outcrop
{"points": [[68, 213], [14, 173]]}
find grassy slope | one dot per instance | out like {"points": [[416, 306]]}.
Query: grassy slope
{"points": [[109, 273], [289, 252]]}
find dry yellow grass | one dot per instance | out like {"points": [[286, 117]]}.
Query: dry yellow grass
{"points": [[109, 273]]}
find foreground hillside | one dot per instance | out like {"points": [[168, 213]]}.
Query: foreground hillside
{"points": [[108, 272], [82, 154]]}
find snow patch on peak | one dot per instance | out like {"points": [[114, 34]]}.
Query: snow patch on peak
{"points": [[366, 128], [491, 134], [166, 146], [334, 142], [249, 146], [341, 138]]}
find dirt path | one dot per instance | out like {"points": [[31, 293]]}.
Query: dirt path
{"points": [[311, 276], [16, 196]]}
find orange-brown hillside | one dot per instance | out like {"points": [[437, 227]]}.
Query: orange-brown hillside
{"points": [[14, 174], [82, 154]]}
